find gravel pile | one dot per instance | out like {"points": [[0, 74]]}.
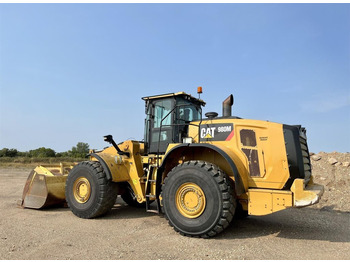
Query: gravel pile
{"points": [[333, 171]]}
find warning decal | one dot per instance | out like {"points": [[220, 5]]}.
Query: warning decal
{"points": [[217, 132]]}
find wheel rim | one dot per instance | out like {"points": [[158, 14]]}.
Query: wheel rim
{"points": [[190, 200], [82, 190]]}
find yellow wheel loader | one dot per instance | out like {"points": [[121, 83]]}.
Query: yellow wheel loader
{"points": [[200, 172]]}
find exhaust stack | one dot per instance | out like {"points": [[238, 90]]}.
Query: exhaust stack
{"points": [[227, 106]]}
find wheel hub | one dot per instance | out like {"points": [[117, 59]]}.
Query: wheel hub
{"points": [[190, 200], [81, 190]]}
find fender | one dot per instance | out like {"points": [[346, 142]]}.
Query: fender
{"points": [[104, 165], [239, 186]]}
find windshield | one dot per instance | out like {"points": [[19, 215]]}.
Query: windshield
{"points": [[187, 111]]}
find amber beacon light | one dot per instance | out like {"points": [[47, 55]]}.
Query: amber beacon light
{"points": [[199, 91]]}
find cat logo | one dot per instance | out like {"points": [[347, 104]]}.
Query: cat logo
{"points": [[208, 132], [217, 132], [208, 136]]}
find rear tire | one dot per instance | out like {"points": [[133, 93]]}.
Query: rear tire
{"points": [[89, 193], [198, 199], [129, 197]]}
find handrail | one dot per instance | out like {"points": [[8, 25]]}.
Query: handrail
{"points": [[161, 125]]}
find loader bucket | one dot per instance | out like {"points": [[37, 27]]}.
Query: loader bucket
{"points": [[45, 186]]}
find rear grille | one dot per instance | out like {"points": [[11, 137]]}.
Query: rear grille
{"points": [[305, 154]]}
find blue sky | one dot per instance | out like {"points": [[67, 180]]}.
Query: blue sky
{"points": [[76, 72]]}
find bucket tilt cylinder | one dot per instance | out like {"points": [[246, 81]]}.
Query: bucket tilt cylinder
{"points": [[110, 140]]}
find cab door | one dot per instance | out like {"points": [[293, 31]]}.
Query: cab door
{"points": [[160, 129]]}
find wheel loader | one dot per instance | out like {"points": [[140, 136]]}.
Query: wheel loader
{"points": [[199, 171]]}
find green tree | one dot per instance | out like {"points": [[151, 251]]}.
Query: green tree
{"points": [[42, 152], [5, 152], [80, 150], [23, 154], [62, 154]]}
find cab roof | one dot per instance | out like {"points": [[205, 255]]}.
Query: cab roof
{"points": [[183, 94]]}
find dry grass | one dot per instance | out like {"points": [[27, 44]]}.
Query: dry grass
{"points": [[31, 162]]}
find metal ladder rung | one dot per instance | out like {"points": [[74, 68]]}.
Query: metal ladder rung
{"points": [[153, 211], [150, 182]]}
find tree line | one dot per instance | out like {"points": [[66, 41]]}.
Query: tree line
{"points": [[79, 151]]}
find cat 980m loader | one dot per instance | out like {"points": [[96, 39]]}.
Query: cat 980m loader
{"points": [[198, 171]]}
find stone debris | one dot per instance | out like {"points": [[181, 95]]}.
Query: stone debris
{"points": [[332, 161], [316, 157], [12, 248], [333, 173]]}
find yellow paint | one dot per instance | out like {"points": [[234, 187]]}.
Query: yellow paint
{"points": [[190, 200], [208, 136], [272, 154], [264, 201], [128, 169], [264, 192], [51, 170], [81, 190]]}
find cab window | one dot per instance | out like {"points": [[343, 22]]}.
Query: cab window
{"points": [[187, 112], [162, 109]]}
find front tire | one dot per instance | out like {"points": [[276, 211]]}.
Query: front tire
{"points": [[89, 193], [198, 199]]}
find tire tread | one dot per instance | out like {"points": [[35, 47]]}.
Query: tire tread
{"points": [[107, 192], [227, 192]]}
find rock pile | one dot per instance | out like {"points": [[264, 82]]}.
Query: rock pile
{"points": [[332, 170], [331, 160]]}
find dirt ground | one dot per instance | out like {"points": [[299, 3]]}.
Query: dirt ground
{"points": [[318, 232]]}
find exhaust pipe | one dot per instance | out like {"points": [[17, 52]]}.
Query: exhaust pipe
{"points": [[227, 106]]}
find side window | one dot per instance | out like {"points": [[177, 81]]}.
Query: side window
{"points": [[248, 138], [249, 148], [161, 109]]}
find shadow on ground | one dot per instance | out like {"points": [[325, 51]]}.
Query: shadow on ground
{"points": [[306, 223]]}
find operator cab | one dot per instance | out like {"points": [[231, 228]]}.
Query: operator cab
{"points": [[167, 119]]}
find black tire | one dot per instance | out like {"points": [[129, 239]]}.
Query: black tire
{"points": [[219, 199], [103, 193], [129, 197]]}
